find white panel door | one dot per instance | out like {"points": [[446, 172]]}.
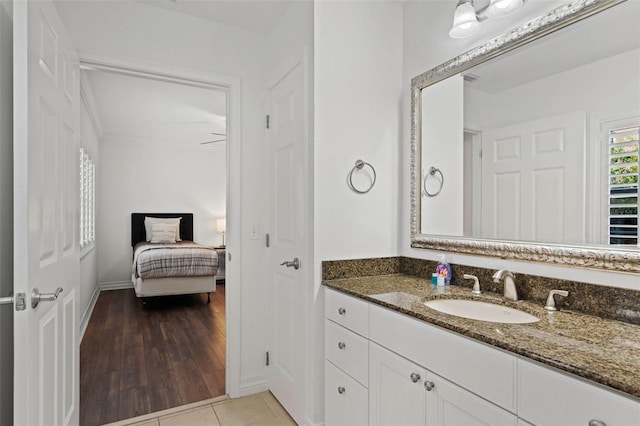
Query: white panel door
{"points": [[532, 180], [396, 389], [46, 208], [288, 240]]}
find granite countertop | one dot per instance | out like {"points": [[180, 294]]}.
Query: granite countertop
{"points": [[604, 351]]}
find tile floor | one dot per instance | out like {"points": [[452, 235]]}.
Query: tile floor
{"points": [[258, 410]]}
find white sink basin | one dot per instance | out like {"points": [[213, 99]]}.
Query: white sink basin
{"points": [[481, 311]]}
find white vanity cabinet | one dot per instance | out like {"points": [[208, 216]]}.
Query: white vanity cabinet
{"points": [[476, 367], [392, 369], [346, 391], [404, 393], [552, 398]]}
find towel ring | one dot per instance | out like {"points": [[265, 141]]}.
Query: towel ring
{"points": [[432, 172], [359, 166]]}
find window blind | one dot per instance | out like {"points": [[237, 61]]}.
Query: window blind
{"points": [[623, 149], [87, 199]]}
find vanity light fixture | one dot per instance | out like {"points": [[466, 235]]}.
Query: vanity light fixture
{"points": [[466, 19]]}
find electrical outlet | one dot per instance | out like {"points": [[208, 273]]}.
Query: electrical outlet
{"points": [[254, 233]]}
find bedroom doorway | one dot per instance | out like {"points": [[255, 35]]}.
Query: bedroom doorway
{"points": [[164, 145]]}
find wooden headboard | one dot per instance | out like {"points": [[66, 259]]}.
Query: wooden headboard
{"points": [[137, 225]]}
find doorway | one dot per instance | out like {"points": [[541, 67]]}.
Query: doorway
{"points": [[202, 151]]}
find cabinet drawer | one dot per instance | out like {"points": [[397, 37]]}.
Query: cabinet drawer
{"points": [[551, 397], [347, 350], [476, 367], [346, 401], [347, 311]]}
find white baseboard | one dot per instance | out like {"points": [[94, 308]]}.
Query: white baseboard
{"points": [[252, 385], [116, 285], [309, 422], [84, 321]]}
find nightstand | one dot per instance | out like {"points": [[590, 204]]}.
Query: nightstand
{"points": [[222, 253]]}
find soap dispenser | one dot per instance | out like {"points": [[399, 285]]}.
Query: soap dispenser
{"points": [[444, 269]]}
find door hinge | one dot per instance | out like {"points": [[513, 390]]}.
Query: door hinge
{"points": [[267, 358], [268, 121], [480, 153], [267, 240]]}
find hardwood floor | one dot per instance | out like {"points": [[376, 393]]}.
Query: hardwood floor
{"points": [[136, 360]]}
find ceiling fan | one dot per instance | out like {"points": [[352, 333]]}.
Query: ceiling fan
{"points": [[224, 139]]}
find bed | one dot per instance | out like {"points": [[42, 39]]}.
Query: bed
{"points": [[172, 263]]}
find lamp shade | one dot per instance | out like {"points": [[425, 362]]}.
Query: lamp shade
{"points": [[465, 21], [221, 224], [501, 8]]}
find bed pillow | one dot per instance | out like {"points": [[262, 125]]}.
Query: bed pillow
{"points": [[148, 221], [163, 233]]}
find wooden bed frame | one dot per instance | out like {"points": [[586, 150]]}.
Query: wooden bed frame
{"points": [[174, 285]]}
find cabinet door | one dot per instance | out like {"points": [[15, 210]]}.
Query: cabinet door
{"points": [[451, 405], [345, 399], [551, 398], [396, 390]]}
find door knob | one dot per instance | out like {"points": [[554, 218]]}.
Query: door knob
{"points": [[37, 297], [295, 263]]}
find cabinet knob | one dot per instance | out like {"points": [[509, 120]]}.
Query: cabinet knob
{"points": [[341, 311], [597, 423], [341, 390], [415, 377], [430, 385], [341, 345]]}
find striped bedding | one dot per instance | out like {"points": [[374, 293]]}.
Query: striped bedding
{"points": [[180, 259]]}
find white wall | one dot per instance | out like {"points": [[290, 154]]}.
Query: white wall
{"points": [[6, 210], [357, 90], [153, 37], [426, 45], [357, 98], [140, 176], [89, 255], [442, 124]]}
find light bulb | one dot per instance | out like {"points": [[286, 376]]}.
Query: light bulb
{"points": [[502, 8], [465, 21]]}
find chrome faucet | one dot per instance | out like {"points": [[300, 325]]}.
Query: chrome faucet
{"points": [[510, 291]]}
